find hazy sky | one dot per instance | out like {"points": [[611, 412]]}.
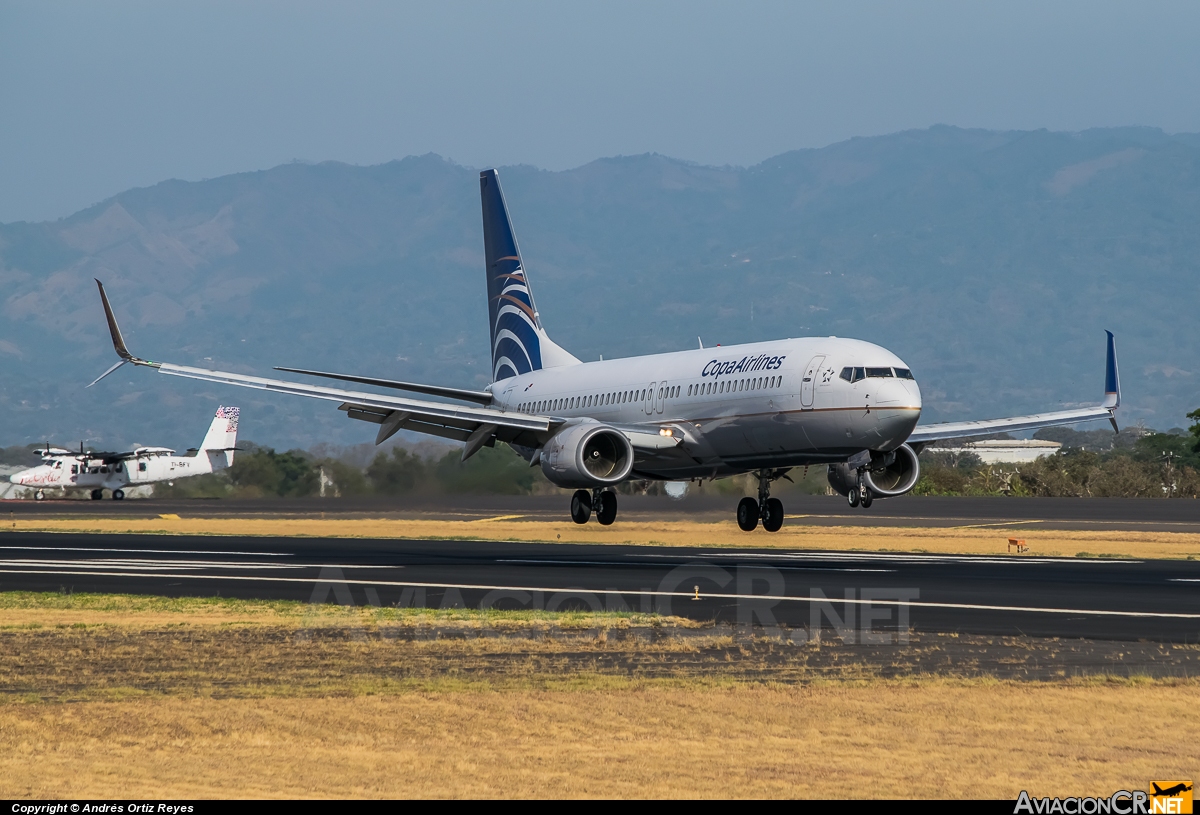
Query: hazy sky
{"points": [[99, 97]]}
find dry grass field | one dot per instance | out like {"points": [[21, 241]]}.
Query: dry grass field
{"points": [[975, 540], [933, 738], [105, 696]]}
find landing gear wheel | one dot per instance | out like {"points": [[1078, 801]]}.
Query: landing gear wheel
{"points": [[747, 514], [866, 499], [118, 495], [581, 506], [39, 496], [772, 515], [97, 495], [606, 508], [853, 496]]}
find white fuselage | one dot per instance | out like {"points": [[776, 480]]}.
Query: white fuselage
{"points": [[68, 472], [737, 408]]}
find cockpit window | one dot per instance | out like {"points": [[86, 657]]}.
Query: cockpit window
{"points": [[904, 373], [847, 374], [880, 372]]}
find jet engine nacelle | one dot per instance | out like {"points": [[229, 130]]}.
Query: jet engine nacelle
{"points": [[888, 475], [586, 455]]}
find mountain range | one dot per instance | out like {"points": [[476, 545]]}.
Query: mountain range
{"points": [[991, 262]]}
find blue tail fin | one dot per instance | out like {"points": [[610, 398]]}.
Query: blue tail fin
{"points": [[519, 343], [1112, 380]]}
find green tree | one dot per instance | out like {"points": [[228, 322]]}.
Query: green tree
{"points": [[263, 472], [1195, 429], [491, 470], [347, 479], [398, 473]]}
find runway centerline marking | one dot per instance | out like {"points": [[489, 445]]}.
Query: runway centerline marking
{"points": [[576, 590], [681, 563]]}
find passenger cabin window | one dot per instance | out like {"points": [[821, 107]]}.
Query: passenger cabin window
{"points": [[142, 466], [904, 373]]}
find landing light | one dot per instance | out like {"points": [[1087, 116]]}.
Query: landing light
{"points": [[666, 431]]}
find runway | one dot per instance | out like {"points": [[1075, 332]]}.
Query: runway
{"points": [[856, 593], [1119, 514]]}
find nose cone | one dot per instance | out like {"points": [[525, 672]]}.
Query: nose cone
{"points": [[17, 478]]}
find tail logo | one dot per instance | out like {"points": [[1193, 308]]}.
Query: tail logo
{"points": [[515, 346], [230, 413], [516, 329]]}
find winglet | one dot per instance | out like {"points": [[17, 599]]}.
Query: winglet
{"points": [[1112, 382], [115, 330], [117, 340]]}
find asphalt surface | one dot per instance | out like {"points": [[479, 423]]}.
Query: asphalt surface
{"points": [[1044, 597], [1131, 514]]}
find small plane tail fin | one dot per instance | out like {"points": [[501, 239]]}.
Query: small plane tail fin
{"points": [[1157, 788], [221, 440]]}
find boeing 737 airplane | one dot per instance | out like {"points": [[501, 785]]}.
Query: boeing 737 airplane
{"points": [[63, 470], [760, 408]]}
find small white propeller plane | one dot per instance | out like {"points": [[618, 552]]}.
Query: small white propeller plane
{"points": [[62, 470], [760, 408]]}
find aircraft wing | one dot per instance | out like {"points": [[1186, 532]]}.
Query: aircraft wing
{"points": [[924, 434], [476, 425]]}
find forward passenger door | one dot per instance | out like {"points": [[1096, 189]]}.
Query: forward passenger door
{"points": [[808, 383]]}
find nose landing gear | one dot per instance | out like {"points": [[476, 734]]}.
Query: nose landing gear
{"points": [[603, 501], [767, 509]]}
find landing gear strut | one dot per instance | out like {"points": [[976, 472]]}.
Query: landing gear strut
{"points": [[860, 495], [766, 508], [604, 502]]}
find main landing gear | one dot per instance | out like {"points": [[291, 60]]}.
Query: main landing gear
{"points": [[603, 501], [96, 495], [860, 495], [118, 495], [769, 510]]}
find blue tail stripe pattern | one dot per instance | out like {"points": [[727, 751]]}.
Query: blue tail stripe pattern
{"points": [[516, 348]]}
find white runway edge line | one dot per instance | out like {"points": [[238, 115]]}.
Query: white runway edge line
{"points": [[144, 551], [143, 563], [908, 558], [580, 591]]}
